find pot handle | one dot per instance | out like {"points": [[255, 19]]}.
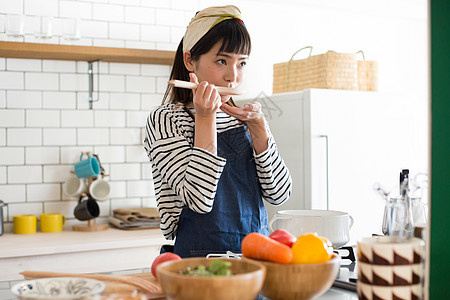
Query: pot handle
{"points": [[276, 217], [351, 222]]}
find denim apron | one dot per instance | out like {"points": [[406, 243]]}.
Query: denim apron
{"points": [[238, 208]]}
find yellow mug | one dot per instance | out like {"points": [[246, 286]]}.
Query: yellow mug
{"points": [[25, 224], [52, 222]]}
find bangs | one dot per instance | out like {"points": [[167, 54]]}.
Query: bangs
{"points": [[234, 36]]}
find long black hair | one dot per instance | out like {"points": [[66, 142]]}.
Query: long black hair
{"points": [[235, 39]]}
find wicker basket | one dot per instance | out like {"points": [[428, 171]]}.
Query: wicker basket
{"points": [[367, 74], [325, 71]]}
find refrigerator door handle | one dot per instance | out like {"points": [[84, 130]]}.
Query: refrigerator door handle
{"points": [[326, 164]]}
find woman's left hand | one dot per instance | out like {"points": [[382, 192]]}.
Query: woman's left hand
{"points": [[251, 113]]}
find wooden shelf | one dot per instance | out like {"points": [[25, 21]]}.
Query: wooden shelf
{"points": [[85, 53]]}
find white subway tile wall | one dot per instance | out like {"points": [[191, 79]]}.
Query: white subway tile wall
{"points": [[42, 118], [121, 68], [59, 100], [24, 65], [3, 137], [2, 99], [59, 136], [3, 176], [13, 193], [139, 15], [43, 192], [42, 155], [123, 31], [60, 66], [24, 174], [29, 208], [42, 81], [75, 9], [74, 82], [23, 137], [107, 118], [41, 7], [108, 12], [94, 29], [45, 120], [11, 7], [24, 99], [11, 80], [154, 33], [12, 118], [12, 155]]}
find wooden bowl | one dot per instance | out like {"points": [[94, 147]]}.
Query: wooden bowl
{"points": [[298, 281], [245, 283]]}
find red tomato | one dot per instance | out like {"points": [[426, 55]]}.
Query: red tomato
{"points": [[162, 258], [283, 236]]}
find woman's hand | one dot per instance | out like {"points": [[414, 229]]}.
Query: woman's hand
{"points": [[206, 102], [206, 99], [251, 113]]}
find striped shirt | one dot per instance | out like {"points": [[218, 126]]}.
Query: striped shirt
{"points": [[187, 176]]}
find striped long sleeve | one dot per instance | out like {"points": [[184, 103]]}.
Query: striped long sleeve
{"points": [[273, 175], [183, 175]]}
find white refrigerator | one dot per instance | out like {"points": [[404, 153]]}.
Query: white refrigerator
{"points": [[337, 144]]}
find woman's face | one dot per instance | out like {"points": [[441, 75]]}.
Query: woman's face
{"points": [[221, 69]]}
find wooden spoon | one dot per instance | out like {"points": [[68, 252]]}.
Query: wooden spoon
{"points": [[190, 85]]}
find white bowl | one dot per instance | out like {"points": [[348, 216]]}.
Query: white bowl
{"points": [[57, 288]]}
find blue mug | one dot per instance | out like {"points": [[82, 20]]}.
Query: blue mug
{"points": [[87, 167]]}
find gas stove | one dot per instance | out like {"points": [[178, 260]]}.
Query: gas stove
{"points": [[348, 272]]}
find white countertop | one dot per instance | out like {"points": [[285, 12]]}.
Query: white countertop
{"points": [[78, 251], [44, 243]]}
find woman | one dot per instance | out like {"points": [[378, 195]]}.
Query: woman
{"points": [[212, 162]]}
